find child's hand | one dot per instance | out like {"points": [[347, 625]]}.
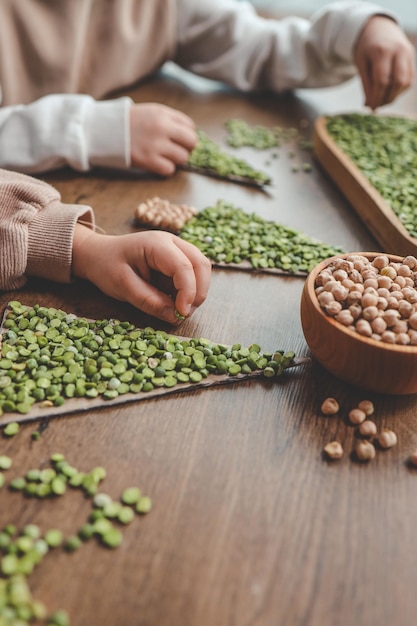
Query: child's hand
{"points": [[161, 138], [127, 267], [385, 59]]}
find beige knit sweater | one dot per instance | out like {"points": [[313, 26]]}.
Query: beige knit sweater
{"points": [[36, 230], [59, 57]]}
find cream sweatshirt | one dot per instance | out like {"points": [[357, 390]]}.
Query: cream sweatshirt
{"points": [[59, 59]]}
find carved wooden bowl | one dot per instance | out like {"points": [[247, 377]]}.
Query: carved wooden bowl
{"points": [[370, 364]]}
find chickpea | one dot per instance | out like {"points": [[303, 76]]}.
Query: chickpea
{"points": [[365, 451], [403, 339], [389, 271], [367, 407], [370, 313], [357, 416], [368, 428], [333, 308], [380, 261], [369, 299], [333, 450], [330, 406], [325, 297], [387, 438], [412, 459], [410, 261], [364, 328], [378, 325], [345, 317]]}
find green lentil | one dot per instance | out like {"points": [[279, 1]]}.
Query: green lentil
{"points": [[125, 515], [144, 505], [131, 495], [5, 462], [11, 429], [72, 543], [209, 157], [384, 148], [113, 538], [59, 618], [53, 537], [225, 233], [86, 532]]}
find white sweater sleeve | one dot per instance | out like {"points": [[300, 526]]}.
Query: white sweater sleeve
{"points": [[226, 40], [59, 130]]}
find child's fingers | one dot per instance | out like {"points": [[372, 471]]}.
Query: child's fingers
{"points": [[402, 76], [189, 297], [380, 81], [149, 299], [189, 269]]}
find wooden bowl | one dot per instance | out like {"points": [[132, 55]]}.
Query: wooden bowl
{"points": [[369, 364]]}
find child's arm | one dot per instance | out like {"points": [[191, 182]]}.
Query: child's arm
{"points": [[42, 237], [225, 40], [143, 268], [36, 230], [65, 130], [113, 133]]}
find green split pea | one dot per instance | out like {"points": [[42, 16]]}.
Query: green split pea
{"points": [[49, 356]]}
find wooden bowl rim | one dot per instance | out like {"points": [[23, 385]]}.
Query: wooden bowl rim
{"points": [[309, 284]]}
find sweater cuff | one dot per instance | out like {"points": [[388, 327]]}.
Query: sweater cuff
{"points": [[50, 239], [107, 133], [352, 23]]}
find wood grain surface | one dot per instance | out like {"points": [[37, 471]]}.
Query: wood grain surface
{"points": [[250, 525]]}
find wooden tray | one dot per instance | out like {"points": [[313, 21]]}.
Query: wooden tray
{"points": [[371, 207]]}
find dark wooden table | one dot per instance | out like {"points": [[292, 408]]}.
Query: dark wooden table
{"points": [[250, 525]]}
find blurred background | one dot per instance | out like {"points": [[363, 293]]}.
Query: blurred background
{"points": [[405, 10]]}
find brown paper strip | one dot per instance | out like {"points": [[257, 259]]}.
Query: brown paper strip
{"points": [[79, 405]]}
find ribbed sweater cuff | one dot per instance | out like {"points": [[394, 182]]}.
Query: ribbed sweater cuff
{"points": [[50, 238]]}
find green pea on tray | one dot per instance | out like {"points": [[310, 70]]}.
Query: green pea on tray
{"points": [[384, 148], [49, 357]]}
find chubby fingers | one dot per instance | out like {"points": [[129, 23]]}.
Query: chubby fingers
{"points": [[384, 78], [191, 277], [183, 263]]}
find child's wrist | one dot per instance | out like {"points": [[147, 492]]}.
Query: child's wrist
{"points": [[81, 250]]}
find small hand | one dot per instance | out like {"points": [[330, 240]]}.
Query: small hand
{"points": [[385, 60], [130, 268], [161, 138]]}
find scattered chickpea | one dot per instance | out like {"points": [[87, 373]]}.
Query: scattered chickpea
{"points": [[367, 407], [387, 438], [357, 416], [365, 451], [368, 428], [412, 459], [330, 406], [333, 450]]}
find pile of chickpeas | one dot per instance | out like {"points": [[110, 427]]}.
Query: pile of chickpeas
{"points": [[376, 298], [161, 213]]}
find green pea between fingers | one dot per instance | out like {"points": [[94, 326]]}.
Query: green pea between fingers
{"points": [[106, 359]]}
